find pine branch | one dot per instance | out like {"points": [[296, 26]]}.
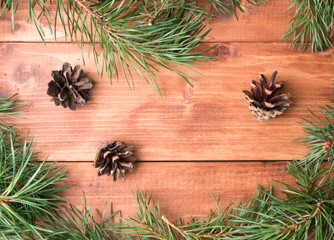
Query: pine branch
{"points": [[306, 212], [9, 108], [135, 37], [313, 22], [319, 136], [147, 224], [80, 4], [80, 224], [127, 35], [229, 8], [27, 187], [306, 209]]}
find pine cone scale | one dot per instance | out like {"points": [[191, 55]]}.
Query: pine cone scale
{"points": [[56, 101], [75, 75], [58, 78], [281, 97], [53, 89], [272, 79], [269, 105], [277, 87], [127, 165], [66, 68], [116, 175], [63, 94], [83, 84]]}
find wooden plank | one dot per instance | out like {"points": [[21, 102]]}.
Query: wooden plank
{"points": [[267, 23], [208, 122], [182, 188]]}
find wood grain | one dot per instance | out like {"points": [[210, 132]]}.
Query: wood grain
{"points": [[186, 127], [208, 122], [182, 188], [266, 23]]}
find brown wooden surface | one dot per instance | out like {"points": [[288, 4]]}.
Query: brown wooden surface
{"points": [[209, 122], [173, 136], [182, 188]]}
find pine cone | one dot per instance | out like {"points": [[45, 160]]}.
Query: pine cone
{"points": [[114, 158], [265, 100], [69, 87]]}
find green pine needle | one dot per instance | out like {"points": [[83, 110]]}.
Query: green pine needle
{"points": [[9, 107], [319, 136], [80, 224], [130, 37], [313, 23], [28, 190]]}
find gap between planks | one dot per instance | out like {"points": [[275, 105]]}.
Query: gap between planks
{"points": [[202, 43], [194, 161], [208, 122], [183, 189]]}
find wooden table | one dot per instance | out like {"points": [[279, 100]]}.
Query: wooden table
{"points": [[191, 141]]}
